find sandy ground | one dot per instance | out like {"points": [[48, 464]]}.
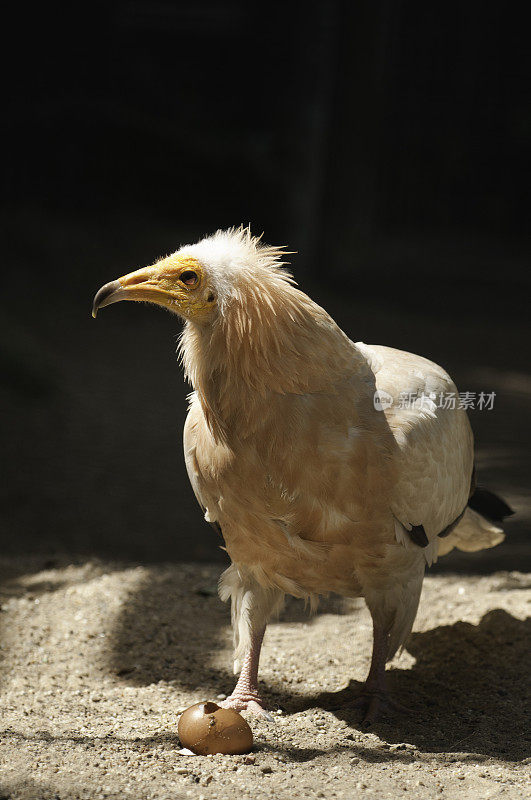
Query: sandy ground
{"points": [[99, 658]]}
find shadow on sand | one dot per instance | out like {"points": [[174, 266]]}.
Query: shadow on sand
{"points": [[467, 690]]}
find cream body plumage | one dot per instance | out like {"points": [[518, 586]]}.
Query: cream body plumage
{"points": [[301, 453]]}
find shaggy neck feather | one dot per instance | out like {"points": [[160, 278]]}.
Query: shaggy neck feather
{"points": [[262, 344]]}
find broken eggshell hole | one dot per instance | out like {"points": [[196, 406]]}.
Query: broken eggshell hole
{"points": [[206, 728]]}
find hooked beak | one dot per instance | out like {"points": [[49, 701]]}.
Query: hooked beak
{"points": [[143, 284], [105, 296]]}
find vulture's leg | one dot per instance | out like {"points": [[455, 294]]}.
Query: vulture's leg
{"points": [[375, 696], [252, 607], [245, 694], [374, 692], [389, 631]]}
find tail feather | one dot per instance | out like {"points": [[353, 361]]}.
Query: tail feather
{"points": [[478, 528], [489, 505]]}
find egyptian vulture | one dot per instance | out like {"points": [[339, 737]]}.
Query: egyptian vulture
{"points": [[302, 455]]}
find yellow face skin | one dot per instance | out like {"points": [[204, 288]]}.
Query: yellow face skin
{"points": [[177, 283]]}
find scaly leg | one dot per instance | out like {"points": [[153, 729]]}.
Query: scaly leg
{"points": [[252, 605], [375, 689], [245, 695], [374, 694]]}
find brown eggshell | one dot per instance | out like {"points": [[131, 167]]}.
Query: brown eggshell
{"points": [[206, 728]]}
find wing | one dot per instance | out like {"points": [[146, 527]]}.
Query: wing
{"points": [[195, 430], [435, 446]]}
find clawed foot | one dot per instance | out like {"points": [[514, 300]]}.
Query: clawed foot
{"points": [[247, 702], [376, 702]]}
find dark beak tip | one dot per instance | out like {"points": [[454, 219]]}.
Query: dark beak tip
{"points": [[103, 294]]}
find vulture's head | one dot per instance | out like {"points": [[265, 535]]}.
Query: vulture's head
{"points": [[200, 281], [247, 326]]}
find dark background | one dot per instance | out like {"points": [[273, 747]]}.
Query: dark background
{"points": [[385, 142]]}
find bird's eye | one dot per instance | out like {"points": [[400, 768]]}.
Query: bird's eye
{"points": [[189, 277]]}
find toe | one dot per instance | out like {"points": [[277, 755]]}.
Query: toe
{"points": [[380, 704], [256, 708], [250, 703], [373, 711]]}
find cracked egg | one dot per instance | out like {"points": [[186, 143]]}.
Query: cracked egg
{"points": [[206, 728]]}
